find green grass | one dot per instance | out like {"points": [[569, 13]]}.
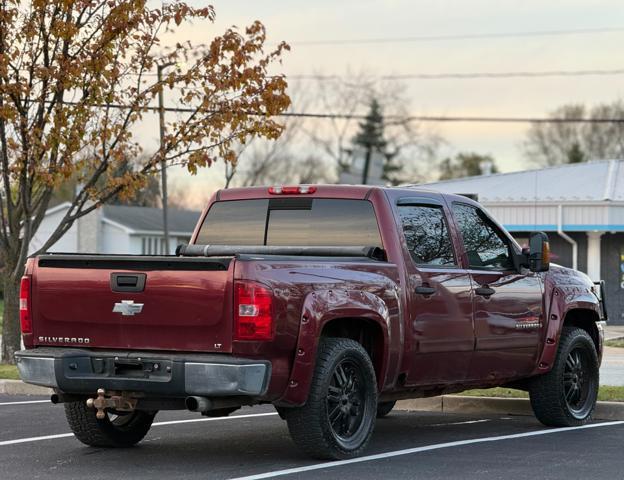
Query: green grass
{"points": [[617, 342], [605, 393], [8, 372]]}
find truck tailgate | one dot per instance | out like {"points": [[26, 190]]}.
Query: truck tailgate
{"points": [[97, 301]]}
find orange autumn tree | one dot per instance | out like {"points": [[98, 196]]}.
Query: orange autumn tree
{"points": [[77, 76]]}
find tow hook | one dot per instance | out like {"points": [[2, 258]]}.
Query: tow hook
{"points": [[119, 401]]}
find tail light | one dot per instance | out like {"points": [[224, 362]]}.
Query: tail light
{"points": [[292, 190], [253, 312], [24, 305]]}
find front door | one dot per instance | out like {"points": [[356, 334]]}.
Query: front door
{"points": [[440, 337], [508, 313]]}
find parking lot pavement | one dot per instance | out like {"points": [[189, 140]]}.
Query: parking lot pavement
{"points": [[256, 442]]}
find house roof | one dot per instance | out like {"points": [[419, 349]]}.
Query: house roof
{"points": [[147, 219], [599, 181]]}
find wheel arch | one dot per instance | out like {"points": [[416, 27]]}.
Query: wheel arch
{"points": [[366, 331], [587, 320], [359, 315]]}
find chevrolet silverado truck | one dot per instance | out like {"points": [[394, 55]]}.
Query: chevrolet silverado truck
{"points": [[329, 302]]}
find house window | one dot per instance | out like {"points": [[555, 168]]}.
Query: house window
{"points": [[153, 246]]}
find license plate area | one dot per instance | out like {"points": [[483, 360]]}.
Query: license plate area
{"points": [[118, 367]]}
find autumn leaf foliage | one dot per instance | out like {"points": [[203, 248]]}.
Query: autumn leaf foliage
{"points": [[77, 77]]}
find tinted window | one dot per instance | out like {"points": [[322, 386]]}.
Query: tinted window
{"points": [[485, 245], [239, 222], [427, 235], [291, 221]]}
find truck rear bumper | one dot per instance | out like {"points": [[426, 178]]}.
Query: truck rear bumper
{"points": [[81, 371]]}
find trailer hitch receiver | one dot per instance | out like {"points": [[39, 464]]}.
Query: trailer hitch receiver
{"points": [[119, 401]]}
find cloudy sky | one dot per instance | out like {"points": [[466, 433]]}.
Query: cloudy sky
{"points": [[301, 24]]}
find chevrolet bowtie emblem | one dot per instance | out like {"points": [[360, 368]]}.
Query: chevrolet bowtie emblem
{"points": [[128, 307]]}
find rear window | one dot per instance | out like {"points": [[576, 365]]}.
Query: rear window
{"points": [[291, 221]]}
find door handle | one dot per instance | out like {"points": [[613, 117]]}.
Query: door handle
{"points": [[485, 291], [424, 290]]}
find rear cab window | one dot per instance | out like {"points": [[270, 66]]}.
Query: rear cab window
{"points": [[291, 222], [427, 235]]}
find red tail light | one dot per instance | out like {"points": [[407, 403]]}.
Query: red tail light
{"points": [[24, 305], [253, 312], [293, 190]]}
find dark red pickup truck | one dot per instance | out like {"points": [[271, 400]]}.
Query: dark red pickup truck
{"points": [[330, 302]]}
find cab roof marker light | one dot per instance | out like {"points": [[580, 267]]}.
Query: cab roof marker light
{"points": [[292, 190]]}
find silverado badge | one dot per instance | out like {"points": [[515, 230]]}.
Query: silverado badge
{"points": [[128, 307]]}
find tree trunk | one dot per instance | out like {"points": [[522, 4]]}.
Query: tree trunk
{"points": [[11, 334]]}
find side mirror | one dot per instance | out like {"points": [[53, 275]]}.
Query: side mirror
{"points": [[539, 252]]}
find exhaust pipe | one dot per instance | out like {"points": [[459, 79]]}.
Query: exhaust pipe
{"points": [[198, 404], [57, 398]]}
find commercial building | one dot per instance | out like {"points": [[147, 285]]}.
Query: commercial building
{"points": [[580, 206]]}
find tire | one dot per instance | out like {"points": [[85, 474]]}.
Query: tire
{"points": [[384, 408], [566, 396], [338, 418], [119, 431]]}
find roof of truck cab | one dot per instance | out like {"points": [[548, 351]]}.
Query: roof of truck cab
{"points": [[356, 192]]}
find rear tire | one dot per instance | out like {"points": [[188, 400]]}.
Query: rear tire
{"points": [[566, 396], [118, 431], [384, 408], [338, 419]]}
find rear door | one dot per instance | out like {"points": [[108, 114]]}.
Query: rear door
{"points": [[145, 303], [508, 313], [440, 326]]}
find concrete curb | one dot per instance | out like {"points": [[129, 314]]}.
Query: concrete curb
{"points": [[496, 406], [17, 387]]}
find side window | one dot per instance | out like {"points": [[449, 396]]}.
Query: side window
{"points": [[485, 245], [427, 235]]}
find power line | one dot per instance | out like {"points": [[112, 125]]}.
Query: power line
{"points": [[391, 119], [472, 75], [458, 75], [462, 36]]}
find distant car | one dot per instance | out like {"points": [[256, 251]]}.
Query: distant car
{"points": [[329, 302]]}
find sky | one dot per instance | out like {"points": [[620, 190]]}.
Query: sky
{"points": [[299, 23]]}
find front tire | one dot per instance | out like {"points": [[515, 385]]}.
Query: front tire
{"points": [[118, 431], [566, 396], [338, 419]]}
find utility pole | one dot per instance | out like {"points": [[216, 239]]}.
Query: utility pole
{"points": [[163, 162]]}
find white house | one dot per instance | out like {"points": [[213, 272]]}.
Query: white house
{"points": [[117, 229]]}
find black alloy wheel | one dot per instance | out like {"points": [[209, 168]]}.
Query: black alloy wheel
{"points": [[577, 382], [338, 418], [566, 395], [345, 400]]}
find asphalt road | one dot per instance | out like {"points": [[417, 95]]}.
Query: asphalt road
{"points": [[256, 442]]}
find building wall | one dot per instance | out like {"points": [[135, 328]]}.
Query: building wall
{"points": [[612, 272], [114, 240], [89, 232], [67, 243]]}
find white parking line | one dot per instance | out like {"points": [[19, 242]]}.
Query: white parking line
{"points": [[425, 448], [156, 424], [26, 402], [459, 423]]}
